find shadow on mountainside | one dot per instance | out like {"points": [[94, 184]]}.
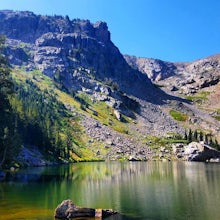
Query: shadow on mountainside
{"points": [[142, 88]]}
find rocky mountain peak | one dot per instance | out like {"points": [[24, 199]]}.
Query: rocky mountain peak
{"points": [[61, 48], [27, 27], [101, 31]]}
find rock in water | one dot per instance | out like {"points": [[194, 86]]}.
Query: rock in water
{"points": [[62, 210], [107, 212], [68, 210]]}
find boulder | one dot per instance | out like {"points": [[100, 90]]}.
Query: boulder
{"points": [[68, 210], [178, 148], [200, 152], [117, 115], [133, 158], [196, 151], [62, 210], [32, 157]]}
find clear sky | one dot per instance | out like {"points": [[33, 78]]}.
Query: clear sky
{"points": [[171, 30]]}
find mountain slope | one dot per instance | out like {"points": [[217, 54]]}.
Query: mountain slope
{"points": [[196, 81], [109, 109], [186, 77], [62, 128]]}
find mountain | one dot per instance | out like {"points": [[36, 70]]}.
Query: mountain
{"points": [[187, 78], [60, 48], [78, 98], [196, 81]]}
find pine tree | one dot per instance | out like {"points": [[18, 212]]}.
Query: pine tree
{"points": [[206, 139], [195, 135], [185, 136], [217, 145], [190, 135], [201, 136]]}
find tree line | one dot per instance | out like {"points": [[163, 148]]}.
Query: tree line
{"points": [[198, 135]]}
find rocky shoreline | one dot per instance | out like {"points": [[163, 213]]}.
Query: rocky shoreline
{"points": [[193, 152]]}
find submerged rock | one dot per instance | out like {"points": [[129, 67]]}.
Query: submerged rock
{"points": [[68, 210]]}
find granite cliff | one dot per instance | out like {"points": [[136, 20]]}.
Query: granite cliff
{"points": [[68, 50]]}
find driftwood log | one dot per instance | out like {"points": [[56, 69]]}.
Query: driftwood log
{"points": [[68, 210]]}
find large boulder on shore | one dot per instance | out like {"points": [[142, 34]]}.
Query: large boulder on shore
{"points": [[196, 151], [68, 210]]}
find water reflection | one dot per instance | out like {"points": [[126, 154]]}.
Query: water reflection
{"points": [[138, 190]]}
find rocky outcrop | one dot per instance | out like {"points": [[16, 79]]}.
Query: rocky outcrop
{"points": [[59, 47], [196, 152], [28, 27], [186, 78], [117, 115], [155, 69], [31, 157], [68, 210]]}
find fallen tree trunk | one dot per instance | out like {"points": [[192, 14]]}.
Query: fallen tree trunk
{"points": [[68, 210]]}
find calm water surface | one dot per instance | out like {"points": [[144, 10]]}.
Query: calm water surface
{"points": [[137, 190]]}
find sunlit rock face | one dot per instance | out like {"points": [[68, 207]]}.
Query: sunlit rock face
{"points": [[60, 47], [186, 78], [196, 151]]}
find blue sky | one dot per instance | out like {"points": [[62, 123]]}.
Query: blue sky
{"points": [[171, 30]]}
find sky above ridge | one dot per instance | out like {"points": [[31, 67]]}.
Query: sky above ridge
{"points": [[171, 30]]}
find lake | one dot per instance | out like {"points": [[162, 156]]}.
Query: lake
{"points": [[137, 190]]}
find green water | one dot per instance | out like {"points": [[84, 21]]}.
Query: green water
{"points": [[137, 190]]}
